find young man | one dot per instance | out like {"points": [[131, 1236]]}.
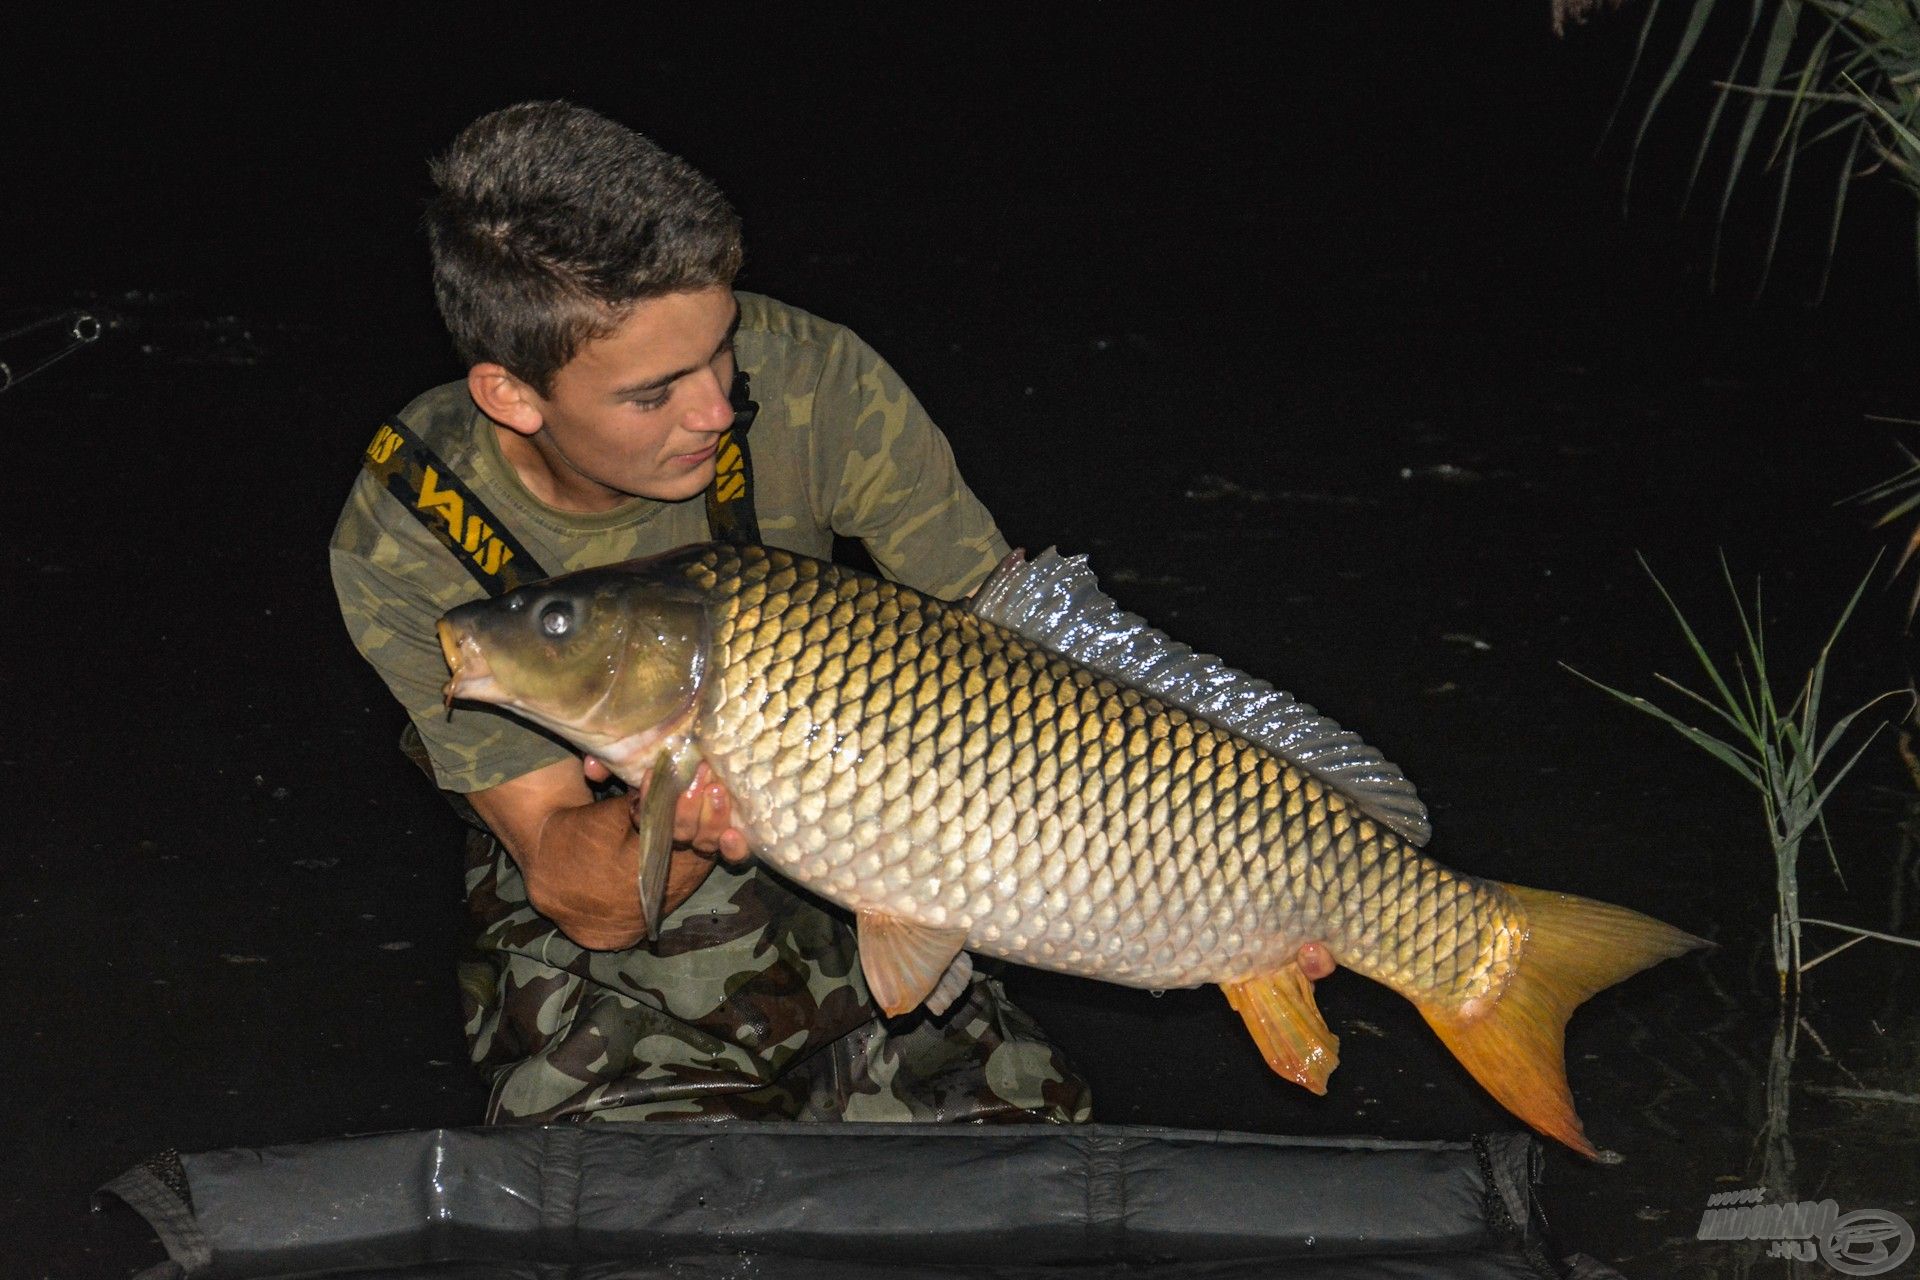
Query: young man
{"points": [[586, 277]]}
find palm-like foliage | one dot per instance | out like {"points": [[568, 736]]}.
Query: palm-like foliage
{"points": [[1840, 78]]}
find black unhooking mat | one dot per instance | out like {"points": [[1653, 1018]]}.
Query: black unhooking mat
{"points": [[635, 1202]]}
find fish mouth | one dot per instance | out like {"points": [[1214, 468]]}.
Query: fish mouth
{"points": [[472, 677]]}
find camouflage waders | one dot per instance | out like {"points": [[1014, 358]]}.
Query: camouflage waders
{"points": [[751, 1006]]}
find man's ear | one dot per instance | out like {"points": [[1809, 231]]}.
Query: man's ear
{"points": [[506, 399]]}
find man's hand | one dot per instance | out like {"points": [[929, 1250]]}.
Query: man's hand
{"points": [[702, 818], [581, 857]]}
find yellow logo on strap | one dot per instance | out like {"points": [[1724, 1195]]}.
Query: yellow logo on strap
{"points": [[385, 441], [475, 536], [729, 475]]}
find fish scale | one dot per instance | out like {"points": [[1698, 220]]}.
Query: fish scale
{"points": [[1171, 853], [958, 784]]}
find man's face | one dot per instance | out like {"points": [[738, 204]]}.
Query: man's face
{"points": [[640, 412]]}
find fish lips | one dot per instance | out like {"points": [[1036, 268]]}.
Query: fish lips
{"points": [[471, 676]]}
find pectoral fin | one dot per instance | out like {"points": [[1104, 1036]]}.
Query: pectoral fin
{"points": [[1279, 1010], [655, 826], [905, 962]]}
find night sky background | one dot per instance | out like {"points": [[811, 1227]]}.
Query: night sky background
{"points": [[1323, 332]]}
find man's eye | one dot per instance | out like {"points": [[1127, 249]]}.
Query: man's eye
{"points": [[647, 404]]}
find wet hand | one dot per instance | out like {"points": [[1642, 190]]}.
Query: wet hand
{"points": [[702, 817], [703, 820]]}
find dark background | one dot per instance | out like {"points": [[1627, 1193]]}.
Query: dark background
{"points": [[1323, 332]]}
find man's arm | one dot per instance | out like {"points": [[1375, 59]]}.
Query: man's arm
{"points": [[882, 472], [580, 857]]}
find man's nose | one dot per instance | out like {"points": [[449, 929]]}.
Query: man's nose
{"points": [[714, 411]]}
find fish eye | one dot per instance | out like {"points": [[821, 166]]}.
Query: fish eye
{"points": [[556, 619]]}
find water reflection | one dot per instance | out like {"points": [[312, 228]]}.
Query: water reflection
{"points": [[1773, 1150], [1720, 1094], [1774, 1144]]}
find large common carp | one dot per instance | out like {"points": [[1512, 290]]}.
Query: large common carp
{"points": [[1133, 812]]}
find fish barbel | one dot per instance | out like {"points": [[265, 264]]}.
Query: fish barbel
{"points": [[959, 785]]}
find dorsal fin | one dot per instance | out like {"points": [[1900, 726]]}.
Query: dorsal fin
{"points": [[1055, 600]]}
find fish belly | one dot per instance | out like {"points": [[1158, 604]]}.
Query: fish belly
{"points": [[895, 754]]}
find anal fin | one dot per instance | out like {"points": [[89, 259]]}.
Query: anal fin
{"points": [[1279, 1010], [903, 961]]}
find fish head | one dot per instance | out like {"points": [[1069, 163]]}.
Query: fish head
{"points": [[610, 660]]}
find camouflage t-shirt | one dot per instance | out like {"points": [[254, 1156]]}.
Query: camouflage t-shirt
{"points": [[840, 446], [750, 1003]]}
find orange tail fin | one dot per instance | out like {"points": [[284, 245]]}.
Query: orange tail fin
{"points": [[1515, 1045]]}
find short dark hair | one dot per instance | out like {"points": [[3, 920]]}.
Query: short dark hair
{"points": [[551, 221]]}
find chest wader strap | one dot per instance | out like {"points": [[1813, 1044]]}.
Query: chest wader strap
{"points": [[730, 516], [449, 510]]}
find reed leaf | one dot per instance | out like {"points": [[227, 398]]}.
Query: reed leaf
{"points": [[1712, 129], [1633, 69], [1773, 62], [1744, 765], [1693, 642], [1900, 494], [1734, 721], [1683, 53]]}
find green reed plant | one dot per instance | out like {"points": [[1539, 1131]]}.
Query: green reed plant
{"points": [[1777, 745]]}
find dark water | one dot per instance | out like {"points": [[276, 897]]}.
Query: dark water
{"points": [[1322, 335]]}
